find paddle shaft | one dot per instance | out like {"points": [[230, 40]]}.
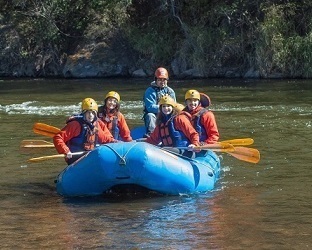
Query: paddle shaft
{"points": [[49, 157], [217, 147], [242, 153], [48, 130], [250, 155]]}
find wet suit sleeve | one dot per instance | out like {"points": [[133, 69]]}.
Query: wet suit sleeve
{"points": [[71, 130], [104, 135], [124, 130], [154, 137], [183, 124], [209, 122], [150, 101]]}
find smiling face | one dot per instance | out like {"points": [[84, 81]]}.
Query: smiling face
{"points": [[161, 82], [89, 116], [192, 103], [166, 109], [111, 103]]}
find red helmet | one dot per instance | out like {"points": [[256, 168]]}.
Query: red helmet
{"points": [[161, 73]]}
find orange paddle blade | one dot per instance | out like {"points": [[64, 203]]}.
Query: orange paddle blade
{"points": [[45, 129], [251, 155]]}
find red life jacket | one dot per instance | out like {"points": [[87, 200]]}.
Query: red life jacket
{"points": [[170, 136]]}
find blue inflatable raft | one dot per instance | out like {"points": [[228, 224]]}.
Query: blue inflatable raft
{"points": [[141, 164]]}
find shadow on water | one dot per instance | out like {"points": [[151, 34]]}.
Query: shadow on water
{"points": [[117, 194]]}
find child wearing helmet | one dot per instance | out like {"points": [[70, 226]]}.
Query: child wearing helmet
{"points": [[173, 129], [111, 116], [82, 132], [157, 89], [203, 120]]}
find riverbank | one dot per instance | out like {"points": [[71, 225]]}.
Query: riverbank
{"points": [[103, 61], [249, 39]]}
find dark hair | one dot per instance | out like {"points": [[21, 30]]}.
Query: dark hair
{"points": [[159, 118]]}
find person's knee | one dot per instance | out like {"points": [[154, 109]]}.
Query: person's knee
{"points": [[150, 116], [150, 123]]}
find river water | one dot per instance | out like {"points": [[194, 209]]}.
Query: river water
{"points": [[262, 206]]}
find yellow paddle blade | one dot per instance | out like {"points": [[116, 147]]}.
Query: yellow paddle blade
{"points": [[36, 144], [240, 142], [45, 129], [251, 155], [44, 158], [49, 157]]}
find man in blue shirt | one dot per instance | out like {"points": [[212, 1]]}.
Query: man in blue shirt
{"points": [[152, 95]]}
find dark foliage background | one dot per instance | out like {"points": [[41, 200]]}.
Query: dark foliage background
{"points": [[270, 37]]}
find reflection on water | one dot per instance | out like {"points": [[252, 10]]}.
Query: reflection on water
{"points": [[263, 206]]}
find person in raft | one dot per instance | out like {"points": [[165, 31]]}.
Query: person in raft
{"points": [[173, 129], [114, 120], [157, 89], [203, 119], [82, 133]]}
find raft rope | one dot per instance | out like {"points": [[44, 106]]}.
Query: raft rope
{"points": [[122, 160]]}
